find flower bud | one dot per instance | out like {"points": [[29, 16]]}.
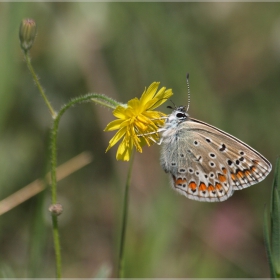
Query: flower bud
{"points": [[56, 209], [27, 33]]}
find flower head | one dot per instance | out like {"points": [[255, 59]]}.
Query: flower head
{"points": [[27, 33], [136, 121]]}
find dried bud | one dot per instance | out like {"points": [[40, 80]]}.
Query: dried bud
{"points": [[56, 209], [27, 33]]}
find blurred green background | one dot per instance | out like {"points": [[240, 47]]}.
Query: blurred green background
{"points": [[232, 52]]}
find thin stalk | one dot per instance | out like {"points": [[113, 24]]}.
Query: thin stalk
{"points": [[105, 104], [101, 99], [124, 220], [267, 243], [98, 98], [36, 80], [56, 240]]}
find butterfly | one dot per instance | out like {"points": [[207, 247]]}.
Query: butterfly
{"points": [[206, 163]]}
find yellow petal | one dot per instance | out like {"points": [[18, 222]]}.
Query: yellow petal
{"points": [[136, 141], [149, 93], [119, 112], [116, 138], [141, 118], [125, 123], [149, 104], [121, 151], [161, 98], [113, 125], [144, 123], [152, 115], [134, 108], [133, 103], [124, 150]]}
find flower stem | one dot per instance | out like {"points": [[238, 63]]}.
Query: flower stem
{"points": [[36, 80], [113, 104], [124, 220], [98, 98], [56, 240]]}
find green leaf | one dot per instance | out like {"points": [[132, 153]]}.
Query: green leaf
{"points": [[275, 217], [266, 231], [276, 182], [275, 229]]}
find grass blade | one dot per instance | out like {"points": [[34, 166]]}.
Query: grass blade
{"points": [[266, 233]]}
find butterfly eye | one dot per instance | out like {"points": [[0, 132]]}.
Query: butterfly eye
{"points": [[180, 116]]}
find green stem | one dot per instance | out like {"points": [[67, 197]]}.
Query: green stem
{"points": [[56, 240], [100, 99], [112, 105], [124, 220], [35, 78]]}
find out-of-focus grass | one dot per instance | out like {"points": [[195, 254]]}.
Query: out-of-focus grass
{"points": [[231, 51], [272, 226]]}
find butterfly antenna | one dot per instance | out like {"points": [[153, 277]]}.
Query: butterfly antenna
{"points": [[189, 92], [170, 107]]}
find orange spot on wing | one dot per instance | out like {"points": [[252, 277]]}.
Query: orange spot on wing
{"points": [[240, 174], [248, 173], [211, 188], [224, 170], [232, 175], [218, 186], [180, 181], [254, 169], [192, 185], [222, 178], [202, 187]]}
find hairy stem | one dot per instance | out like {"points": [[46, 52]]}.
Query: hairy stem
{"points": [[124, 220], [36, 80], [100, 99]]}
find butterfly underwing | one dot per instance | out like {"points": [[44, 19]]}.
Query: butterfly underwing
{"points": [[206, 163]]}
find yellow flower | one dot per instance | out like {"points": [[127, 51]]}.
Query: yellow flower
{"points": [[136, 121]]}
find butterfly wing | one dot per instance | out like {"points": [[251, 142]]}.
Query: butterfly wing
{"points": [[208, 164]]}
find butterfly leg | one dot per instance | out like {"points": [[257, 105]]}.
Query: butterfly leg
{"points": [[151, 138]]}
